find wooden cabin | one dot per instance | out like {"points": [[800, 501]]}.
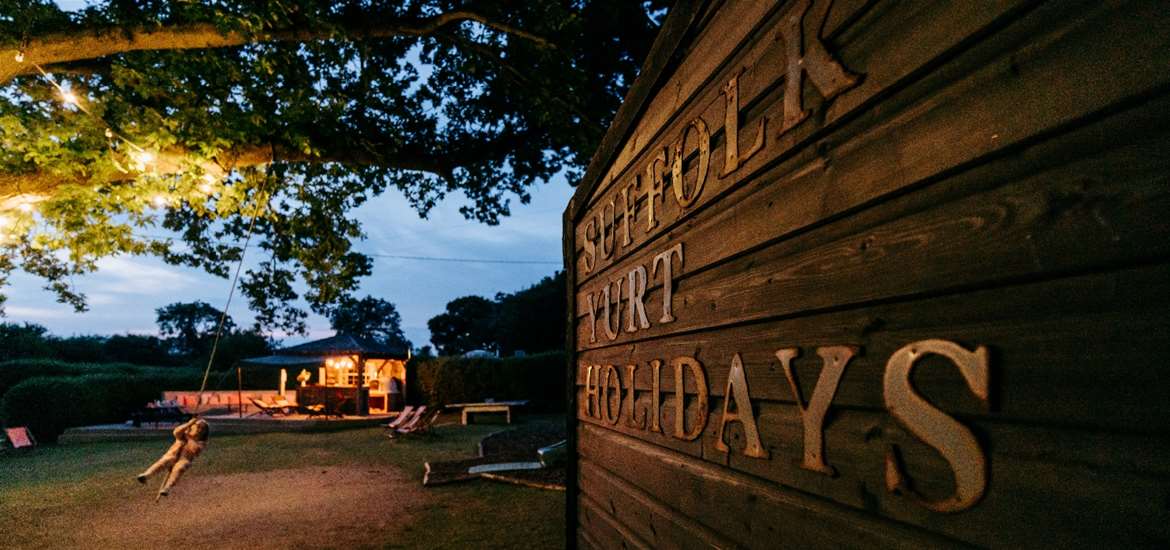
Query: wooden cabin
{"points": [[879, 274], [359, 375]]}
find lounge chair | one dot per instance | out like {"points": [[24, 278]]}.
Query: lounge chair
{"points": [[420, 425], [286, 407], [265, 408], [402, 417], [158, 411], [20, 438], [335, 408], [316, 409]]}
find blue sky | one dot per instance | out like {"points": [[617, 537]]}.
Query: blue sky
{"points": [[125, 291]]}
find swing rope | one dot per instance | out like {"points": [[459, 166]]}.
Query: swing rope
{"points": [[223, 316]]}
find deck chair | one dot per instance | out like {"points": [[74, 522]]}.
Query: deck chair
{"points": [[402, 416], [286, 407], [317, 409], [421, 424], [407, 419], [20, 438], [335, 408], [263, 408]]}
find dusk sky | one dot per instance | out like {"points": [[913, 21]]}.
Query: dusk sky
{"points": [[125, 292]]}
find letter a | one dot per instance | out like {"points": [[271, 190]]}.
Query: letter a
{"points": [[737, 389]]}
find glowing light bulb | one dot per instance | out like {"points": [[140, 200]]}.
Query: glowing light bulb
{"points": [[142, 159], [20, 57], [159, 201], [68, 97]]}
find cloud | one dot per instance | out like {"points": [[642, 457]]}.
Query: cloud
{"points": [[125, 291]]}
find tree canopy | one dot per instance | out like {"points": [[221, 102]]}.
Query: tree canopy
{"points": [[188, 326], [205, 117], [370, 318], [467, 324], [530, 320]]}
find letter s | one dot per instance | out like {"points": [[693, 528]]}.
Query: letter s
{"points": [[952, 440]]}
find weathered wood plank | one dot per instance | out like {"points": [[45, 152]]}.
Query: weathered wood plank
{"points": [[640, 512], [761, 67], [1105, 207], [605, 528], [728, 27], [754, 512], [1064, 350], [856, 444], [874, 160]]}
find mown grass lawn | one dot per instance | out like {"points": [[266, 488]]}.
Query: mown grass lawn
{"points": [[61, 496]]}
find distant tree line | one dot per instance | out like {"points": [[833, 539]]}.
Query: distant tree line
{"points": [[531, 320], [186, 334]]}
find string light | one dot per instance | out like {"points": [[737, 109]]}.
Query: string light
{"points": [[206, 187], [69, 98], [142, 159]]}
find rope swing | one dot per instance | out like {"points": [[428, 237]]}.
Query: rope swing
{"points": [[191, 436]]}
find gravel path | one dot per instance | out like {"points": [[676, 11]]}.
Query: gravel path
{"points": [[317, 507]]}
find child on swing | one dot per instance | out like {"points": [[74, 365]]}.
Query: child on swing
{"points": [[190, 440]]}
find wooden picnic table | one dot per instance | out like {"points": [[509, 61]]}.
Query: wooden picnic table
{"points": [[488, 406]]}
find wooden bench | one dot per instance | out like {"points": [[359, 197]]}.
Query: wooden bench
{"points": [[488, 407]]}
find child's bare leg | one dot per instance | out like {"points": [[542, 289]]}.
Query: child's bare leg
{"points": [[161, 464], [177, 470]]}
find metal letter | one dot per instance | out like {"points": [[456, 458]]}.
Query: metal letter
{"points": [[610, 331], [946, 435], [607, 413], [590, 248], [676, 171], [655, 395], [635, 292], [680, 403], [607, 251], [812, 416], [667, 278], [632, 399], [654, 186], [592, 318], [631, 209], [825, 72], [737, 390], [590, 392], [731, 155]]}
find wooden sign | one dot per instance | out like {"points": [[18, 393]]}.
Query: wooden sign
{"points": [[878, 274]]}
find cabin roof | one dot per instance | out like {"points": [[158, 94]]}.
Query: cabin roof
{"points": [[345, 344]]}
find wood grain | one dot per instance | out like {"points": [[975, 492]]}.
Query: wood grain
{"points": [[1104, 207]]}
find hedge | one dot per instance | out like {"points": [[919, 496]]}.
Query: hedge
{"points": [[48, 405], [16, 371], [539, 379]]}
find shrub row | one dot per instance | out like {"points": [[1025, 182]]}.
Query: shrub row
{"points": [[48, 405], [16, 371], [540, 379]]}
